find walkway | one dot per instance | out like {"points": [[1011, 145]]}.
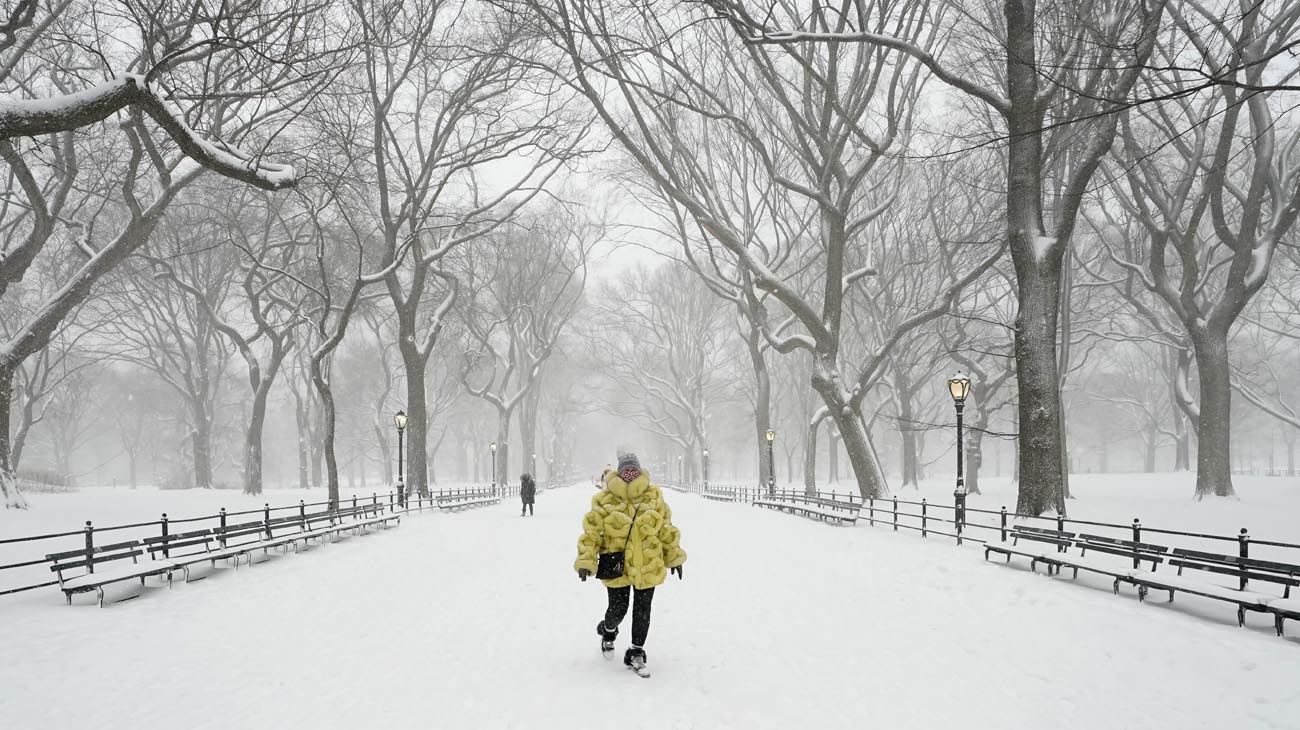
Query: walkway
{"points": [[475, 620]]}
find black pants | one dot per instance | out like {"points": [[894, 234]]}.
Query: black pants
{"points": [[528, 509], [618, 600]]}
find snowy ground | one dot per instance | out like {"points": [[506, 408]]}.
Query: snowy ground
{"points": [[476, 620]]}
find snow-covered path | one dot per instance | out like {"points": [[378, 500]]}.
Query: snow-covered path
{"points": [[476, 620]]}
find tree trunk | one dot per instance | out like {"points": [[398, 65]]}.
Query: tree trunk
{"points": [[1152, 442], [304, 440], [810, 451], [1290, 457], [1037, 261], [974, 445], [1182, 443], [762, 400], [501, 468], [528, 430], [1214, 431], [853, 431], [862, 455], [316, 444], [385, 455], [906, 427], [327, 431], [1041, 467], [13, 498], [417, 421], [832, 453], [201, 444], [253, 450], [477, 462], [253, 440]]}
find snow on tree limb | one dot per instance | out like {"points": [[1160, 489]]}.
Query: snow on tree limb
{"points": [[32, 118]]}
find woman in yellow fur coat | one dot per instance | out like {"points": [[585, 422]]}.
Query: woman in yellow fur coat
{"points": [[651, 546]]}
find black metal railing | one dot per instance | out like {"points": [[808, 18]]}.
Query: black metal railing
{"points": [[26, 567], [964, 523]]}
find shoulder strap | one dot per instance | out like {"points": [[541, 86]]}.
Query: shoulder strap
{"points": [[635, 512]]}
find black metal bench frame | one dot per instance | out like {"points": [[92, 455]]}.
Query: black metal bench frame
{"points": [[1057, 538], [100, 555]]}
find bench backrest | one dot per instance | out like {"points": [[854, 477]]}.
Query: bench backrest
{"points": [[1267, 566], [243, 529], [73, 559], [1098, 541], [1237, 572], [1038, 534], [179, 541]]}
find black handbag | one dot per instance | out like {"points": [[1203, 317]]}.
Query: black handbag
{"points": [[612, 565]]}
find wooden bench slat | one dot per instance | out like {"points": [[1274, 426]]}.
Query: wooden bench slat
{"points": [[96, 560], [1149, 547]]}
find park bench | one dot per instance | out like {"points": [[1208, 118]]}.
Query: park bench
{"points": [[1037, 554], [202, 546], [465, 500], [818, 508], [1137, 552], [1243, 569], [244, 539], [721, 496], [1053, 553], [93, 579]]}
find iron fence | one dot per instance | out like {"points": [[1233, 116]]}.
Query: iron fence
{"points": [[28, 568]]}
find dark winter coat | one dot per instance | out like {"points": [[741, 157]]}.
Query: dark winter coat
{"points": [[527, 490]]}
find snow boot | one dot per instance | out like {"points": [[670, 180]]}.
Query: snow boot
{"points": [[606, 640], [635, 660]]}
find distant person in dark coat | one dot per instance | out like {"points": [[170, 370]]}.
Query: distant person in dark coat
{"points": [[527, 492]]}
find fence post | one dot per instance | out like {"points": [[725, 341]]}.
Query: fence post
{"points": [[374, 501], [923, 506], [221, 526], [1060, 527], [90, 547], [1137, 537], [266, 518], [302, 514], [1243, 550], [871, 511], [354, 504], [163, 524], [959, 512], [895, 513], [1003, 528]]}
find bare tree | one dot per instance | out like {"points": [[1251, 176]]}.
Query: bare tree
{"points": [[1056, 74], [446, 93], [661, 341], [185, 53], [1213, 199], [695, 113], [522, 288]]}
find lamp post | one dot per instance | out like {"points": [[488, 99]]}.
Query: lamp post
{"points": [[533, 468], [959, 388], [492, 447], [400, 421], [681, 469], [706, 470], [771, 461]]}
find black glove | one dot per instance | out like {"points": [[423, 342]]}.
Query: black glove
{"points": [[677, 570], [582, 574]]}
